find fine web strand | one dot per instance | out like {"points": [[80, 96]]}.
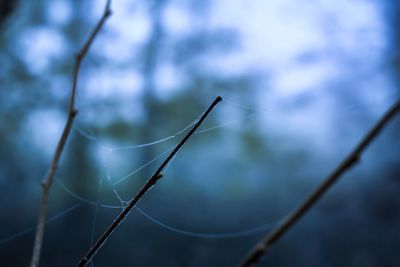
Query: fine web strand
{"points": [[122, 202], [255, 230], [31, 229], [168, 165], [344, 109], [247, 232], [229, 102], [158, 141], [120, 180], [256, 110], [225, 124], [144, 145], [96, 210], [82, 199], [97, 204], [84, 133], [251, 231], [94, 138]]}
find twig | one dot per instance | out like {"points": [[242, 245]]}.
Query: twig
{"points": [[150, 182], [256, 253], [72, 111]]}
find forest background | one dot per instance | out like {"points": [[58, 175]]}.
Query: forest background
{"points": [[301, 84]]}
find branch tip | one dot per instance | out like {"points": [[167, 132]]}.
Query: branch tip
{"points": [[150, 182]]}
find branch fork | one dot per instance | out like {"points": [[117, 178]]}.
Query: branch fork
{"points": [[72, 112]]}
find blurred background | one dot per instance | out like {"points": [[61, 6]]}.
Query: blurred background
{"points": [[302, 82]]}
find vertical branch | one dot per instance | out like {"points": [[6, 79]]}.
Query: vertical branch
{"points": [[150, 182], [257, 252], [72, 111]]}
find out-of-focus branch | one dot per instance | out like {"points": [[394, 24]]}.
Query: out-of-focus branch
{"points": [[72, 111], [150, 182], [261, 248]]}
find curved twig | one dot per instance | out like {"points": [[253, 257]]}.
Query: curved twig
{"points": [[260, 249]]}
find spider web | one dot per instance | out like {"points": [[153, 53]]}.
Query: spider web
{"points": [[112, 182]]}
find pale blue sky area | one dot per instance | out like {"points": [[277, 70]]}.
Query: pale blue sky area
{"points": [[298, 49]]}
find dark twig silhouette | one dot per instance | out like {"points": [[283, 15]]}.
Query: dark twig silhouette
{"points": [[72, 111], [257, 252], [150, 182]]}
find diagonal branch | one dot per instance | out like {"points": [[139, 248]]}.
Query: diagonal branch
{"points": [[150, 182], [257, 252], [72, 111]]}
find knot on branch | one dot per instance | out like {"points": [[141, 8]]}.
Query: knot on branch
{"points": [[155, 179], [73, 112], [44, 184], [108, 13]]}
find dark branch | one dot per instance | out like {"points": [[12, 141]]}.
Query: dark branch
{"points": [[257, 252], [72, 111], [150, 182]]}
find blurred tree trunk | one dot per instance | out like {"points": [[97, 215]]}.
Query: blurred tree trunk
{"points": [[151, 56]]}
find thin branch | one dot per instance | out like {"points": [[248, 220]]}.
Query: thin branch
{"points": [[150, 182], [256, 253], [72, 111]]}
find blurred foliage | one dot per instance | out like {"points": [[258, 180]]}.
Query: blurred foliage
{"points": [[225, 180]]}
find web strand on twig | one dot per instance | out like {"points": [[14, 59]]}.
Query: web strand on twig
{"points": [[31, 229], [151, 182]]}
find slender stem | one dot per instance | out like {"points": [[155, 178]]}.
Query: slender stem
{"points": [[256, 253], [72, 111], [150, 182]]}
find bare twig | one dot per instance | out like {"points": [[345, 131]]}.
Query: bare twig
{"points": [[72, 111], [150, 182], [354, 157]]}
